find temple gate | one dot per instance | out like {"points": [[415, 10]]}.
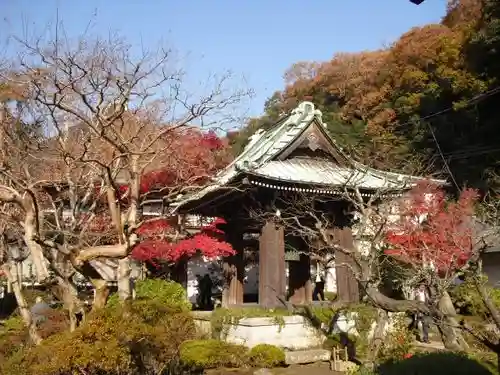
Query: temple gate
{"points": [[296, 155]]}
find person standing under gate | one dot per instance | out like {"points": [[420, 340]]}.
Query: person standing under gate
{"points": [[422, 296]]}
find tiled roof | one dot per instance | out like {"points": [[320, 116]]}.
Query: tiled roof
{"points": [[259, 158], [324, 172]]}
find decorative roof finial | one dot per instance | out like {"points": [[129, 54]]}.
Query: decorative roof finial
{"points": [[304, 108]]}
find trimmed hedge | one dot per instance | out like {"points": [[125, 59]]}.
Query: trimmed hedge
{"points": [[209, 354], [265, 355], [212, 353]]}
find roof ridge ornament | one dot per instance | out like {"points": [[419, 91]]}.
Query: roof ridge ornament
{"points": [[306, 108]]}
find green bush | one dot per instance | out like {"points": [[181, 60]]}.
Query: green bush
{"points": [[162, 292], [437, 363], [265, 355], [144, 339], [207, 354], [468, 301]]}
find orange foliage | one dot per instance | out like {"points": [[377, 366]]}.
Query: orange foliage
{"points": [[384, 88]]}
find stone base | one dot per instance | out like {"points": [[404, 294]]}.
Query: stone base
{"points": [[296, 333]]}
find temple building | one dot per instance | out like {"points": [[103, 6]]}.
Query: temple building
{"points": [[296, 155]]}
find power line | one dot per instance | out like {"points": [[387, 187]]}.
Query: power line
{"points": [[468, 103]]}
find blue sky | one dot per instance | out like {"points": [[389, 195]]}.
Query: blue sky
{"points": [[258, 39]]}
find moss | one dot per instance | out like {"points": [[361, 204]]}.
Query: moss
{"points": [[221, 317], [207, 354], [265, 355]]}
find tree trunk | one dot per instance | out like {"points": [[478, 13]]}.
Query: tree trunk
{"points": [[13, 278], [72, 303], [101, 295], [19, 268], [448, 325], [124, 282], [36, 252], [378, 335], [377, 299]]}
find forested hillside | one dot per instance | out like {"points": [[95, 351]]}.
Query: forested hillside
{"points": [[430, 101]]}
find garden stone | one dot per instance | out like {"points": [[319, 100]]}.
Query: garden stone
{"points": [[263, 371], [307, 356]]}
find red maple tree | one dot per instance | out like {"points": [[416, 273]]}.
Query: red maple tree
{"points": [[157, 243], [431, 231], [191, 159]]}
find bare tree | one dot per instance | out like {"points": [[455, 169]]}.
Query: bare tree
{"points": [[323, 219], [102, 119], [487, 231]]}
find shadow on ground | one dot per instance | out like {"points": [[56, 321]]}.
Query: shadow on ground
{"points": [[442, 363]]}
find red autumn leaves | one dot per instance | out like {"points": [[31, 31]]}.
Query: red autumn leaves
{"points": [[432, 231], [190, 160], [157, 242]]}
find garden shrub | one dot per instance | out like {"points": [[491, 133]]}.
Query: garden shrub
{"points": [[212, 353], [467, 300], [265, 355], [143, 340], [56, 321], [13, 335], [162, 292], [486, 358], [437, 363], [398, 342]]}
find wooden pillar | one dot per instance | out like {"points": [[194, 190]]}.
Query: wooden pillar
{"points": [[299, 280], [347, 285], [272, 278], [234, 270]]}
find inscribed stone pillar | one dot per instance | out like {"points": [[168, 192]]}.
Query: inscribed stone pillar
{"points": [[299, 280], [234, 269], [272, 278], [347, 285]]}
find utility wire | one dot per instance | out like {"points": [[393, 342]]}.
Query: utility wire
{"points": [[476, 99]]}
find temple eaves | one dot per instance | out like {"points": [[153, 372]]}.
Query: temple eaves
{"points": [[268, 161]]}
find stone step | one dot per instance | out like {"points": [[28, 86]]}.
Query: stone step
{"points": [[434, 345], [301, 357]]}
